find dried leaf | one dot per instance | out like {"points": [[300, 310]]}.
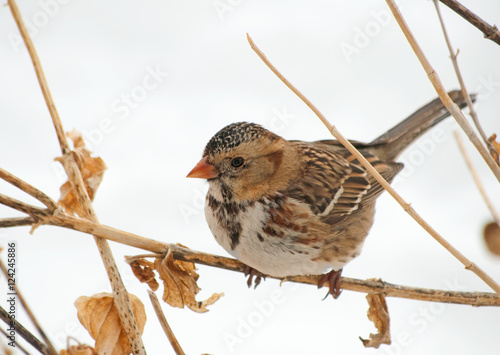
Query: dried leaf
{"points": [[92, 170], [144, 271], [179, 284], [496, 146], [491, 235], [98, 314], [81, 349], [179, 280], [379, 315], [201, 307]]}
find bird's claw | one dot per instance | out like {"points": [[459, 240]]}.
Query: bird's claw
{"points": [[251, 272], [333, 278]]}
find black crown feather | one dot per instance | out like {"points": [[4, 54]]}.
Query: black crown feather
{"points": [[233, 135]]}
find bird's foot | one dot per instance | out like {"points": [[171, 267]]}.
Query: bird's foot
{"points": [[251, 272], [333, 278]]}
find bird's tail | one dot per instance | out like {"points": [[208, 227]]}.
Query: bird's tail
{"points": [[389, 145]]}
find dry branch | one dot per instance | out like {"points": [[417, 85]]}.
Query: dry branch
{"points": [[70, 165], [20, 296], [443, 95], [453, 57], [406, 206], [490, 32], [24, 333], [164, 324], [61, 219], [477, 179]]}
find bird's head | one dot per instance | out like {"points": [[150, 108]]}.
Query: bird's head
{"points": [[247, 159]]}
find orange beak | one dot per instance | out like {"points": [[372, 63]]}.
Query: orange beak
{"points": [[203, 170]]}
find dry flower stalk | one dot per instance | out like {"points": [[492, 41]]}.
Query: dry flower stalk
{"points": [[164, 324], [32, 317], [70, 164], [477, 179], [490, 32], [453, 57], [443, 95]]}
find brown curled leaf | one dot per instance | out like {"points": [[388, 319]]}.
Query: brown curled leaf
{"points": [[91, 168], [379, 315], [179, 280], [98, 314], [179, 284], [144, 271], [201, 307], [491, 235]]}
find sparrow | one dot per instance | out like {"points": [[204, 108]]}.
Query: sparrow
{"points": [[288, 207]]}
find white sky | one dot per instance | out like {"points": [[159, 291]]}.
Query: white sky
{"points": [[151, 129]]}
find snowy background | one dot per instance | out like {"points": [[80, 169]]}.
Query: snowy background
{"points": [[148, 83]]}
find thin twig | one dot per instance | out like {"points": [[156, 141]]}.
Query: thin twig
{"points": [[30, 189], [19, 295], [453, 57], [477, 179], [164, 324], [70, 165], [443, 95], [490, 32], [406, 206], [16, 222], [21, 206], [24, 333]]}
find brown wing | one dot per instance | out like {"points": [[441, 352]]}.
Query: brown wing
{"points": [[334, 184]]}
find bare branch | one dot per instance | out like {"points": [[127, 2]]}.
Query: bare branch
{"points": [[21, 206], [63, 220], [443, 95], [164, 324], [406, 206], [490, 32], [19, 295], [476, 178], [453, 57], [29, 189], [23, 332], [16, 222]]}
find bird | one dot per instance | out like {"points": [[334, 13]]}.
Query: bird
{"points": [[290, 207]]}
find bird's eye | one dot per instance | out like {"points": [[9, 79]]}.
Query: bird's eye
{"points": [[237, 162]]}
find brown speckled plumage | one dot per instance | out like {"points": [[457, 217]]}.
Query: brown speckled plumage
{"points": [[296, 208]]}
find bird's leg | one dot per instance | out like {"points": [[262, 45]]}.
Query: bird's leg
{"points": [[251, 272], [333, 278]]}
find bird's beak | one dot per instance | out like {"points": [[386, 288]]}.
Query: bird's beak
{"points": [[203, 170]]}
